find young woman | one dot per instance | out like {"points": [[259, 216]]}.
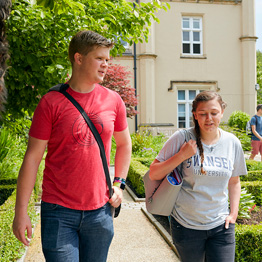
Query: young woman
{"points": [[202, 224]]}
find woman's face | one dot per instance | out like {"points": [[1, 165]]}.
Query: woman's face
{"points": [[208, 114]]}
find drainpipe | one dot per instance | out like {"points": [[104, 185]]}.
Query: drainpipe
{"points": [[135, 84], [135, 78]]}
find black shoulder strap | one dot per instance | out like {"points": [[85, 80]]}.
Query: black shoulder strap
{"points": [[59, 88], [256, 121], [62, 89]]}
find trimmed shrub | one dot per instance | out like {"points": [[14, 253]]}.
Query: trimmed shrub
{"points": [[238, 119], [5, 192], [248, 243], [10, 248], [135, 175], [252, 176], [145, 161], [253, 165]]}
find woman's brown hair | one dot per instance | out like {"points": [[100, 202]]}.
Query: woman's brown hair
{"points": [[204, 96]]}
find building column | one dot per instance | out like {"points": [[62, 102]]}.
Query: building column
{"points": [[147, 81], [248, 40]]}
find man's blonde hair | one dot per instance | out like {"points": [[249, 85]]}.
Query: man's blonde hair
{"points": [[85, 41]]}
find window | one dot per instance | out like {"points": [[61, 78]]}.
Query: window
{"points": [[126, 46], [184, 107], [192, 36], [128, 49]]}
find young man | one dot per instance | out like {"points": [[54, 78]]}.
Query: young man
{"points": [[76, 220], [256, 138]]}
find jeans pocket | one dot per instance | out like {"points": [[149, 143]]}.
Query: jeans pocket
{"points": [[232, 225], [48, 206]]}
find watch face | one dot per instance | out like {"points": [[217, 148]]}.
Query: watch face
{"points": [[122, 186]]}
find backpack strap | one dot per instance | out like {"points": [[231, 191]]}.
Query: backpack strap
{"points": [[256, 119], [59, 88], [250, 122]]}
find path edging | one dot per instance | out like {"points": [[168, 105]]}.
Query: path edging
{"points": [[161, 230]]}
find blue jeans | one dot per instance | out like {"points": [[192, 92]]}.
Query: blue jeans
{"points": [[73, 235], [214, 245]]}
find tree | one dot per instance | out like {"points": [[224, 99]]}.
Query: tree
{"points": [[5, 9], [259, 76], [39, 40], [117, 79]]}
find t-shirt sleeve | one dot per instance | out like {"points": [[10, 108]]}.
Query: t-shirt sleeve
{"points": [[253, 121], [121, 119], [171, 146], [42, 121], [239, 163]]}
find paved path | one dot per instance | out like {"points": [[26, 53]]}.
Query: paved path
{"points": [[136, 239]]}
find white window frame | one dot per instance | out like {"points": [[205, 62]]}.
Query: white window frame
{"points": [[125, 44], [191, 31], [188, 106]]}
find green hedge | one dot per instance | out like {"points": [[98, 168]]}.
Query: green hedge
{"points": [[254, 188], [255, 175], [5, 192], [10, 248], [135, 175], [253, 165], [248, 243], [144, 160]]}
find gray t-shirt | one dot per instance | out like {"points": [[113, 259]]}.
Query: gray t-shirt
{"points": [[202, 202]]}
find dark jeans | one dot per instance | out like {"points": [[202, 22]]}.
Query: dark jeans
{"points": [[214, 245], [73, 235]]}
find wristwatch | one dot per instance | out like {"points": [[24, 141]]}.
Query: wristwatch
{"points": [[122, 186]]}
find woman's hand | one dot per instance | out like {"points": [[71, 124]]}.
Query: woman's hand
{"points": [[229, 220], [158, 170], [188, 149]]}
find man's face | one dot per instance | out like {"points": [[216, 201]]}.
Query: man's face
{"points": [[94, 65]]}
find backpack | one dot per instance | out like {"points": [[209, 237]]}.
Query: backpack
{"points": [[248, 127]]}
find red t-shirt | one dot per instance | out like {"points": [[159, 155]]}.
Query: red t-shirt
{"points": [[74, 176]]}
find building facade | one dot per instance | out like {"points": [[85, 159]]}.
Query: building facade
{"points": [[198, 45]]}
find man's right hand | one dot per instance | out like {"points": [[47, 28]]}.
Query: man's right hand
{"points": [[22, 225]]}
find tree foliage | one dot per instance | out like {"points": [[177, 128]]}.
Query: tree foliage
{"points": [[39, 38], [259, 76], [5, 9], [117, 79]]}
